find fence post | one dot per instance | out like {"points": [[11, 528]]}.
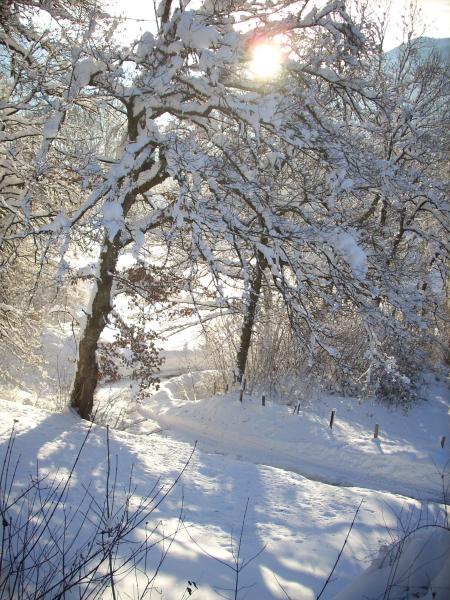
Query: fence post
{"points": [[376, 431], [442, 441], [263, 400], [241, 395], [333, 413], [226, 388]]}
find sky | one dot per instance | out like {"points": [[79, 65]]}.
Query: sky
{"points": [[435, 13], [436, 20]]}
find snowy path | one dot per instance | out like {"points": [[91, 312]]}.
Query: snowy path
{"points": [[406, 459]]}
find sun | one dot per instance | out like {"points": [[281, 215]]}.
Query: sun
{"points": [[266, 60]]}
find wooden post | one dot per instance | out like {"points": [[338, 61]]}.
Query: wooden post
{"points": [[333, 413], [226, 388], [442, 441], [241, 395], [214, 388], [263, 400], [376, 431]]}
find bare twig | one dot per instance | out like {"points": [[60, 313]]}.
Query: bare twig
{"points": [[340, 552]]}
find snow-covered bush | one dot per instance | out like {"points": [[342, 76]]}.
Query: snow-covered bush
{"points": [[280, 364]]}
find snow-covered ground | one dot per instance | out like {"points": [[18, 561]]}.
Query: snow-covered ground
{"points": [[406, 458], [282, 464]]}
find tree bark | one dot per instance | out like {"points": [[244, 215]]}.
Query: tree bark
{"points": [[249, 319], [86, 377]]}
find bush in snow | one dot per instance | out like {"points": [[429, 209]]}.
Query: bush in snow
{"points": [[285, 368], [416, 566]]}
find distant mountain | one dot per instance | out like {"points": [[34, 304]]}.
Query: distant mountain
{"points": [[425, 46]]}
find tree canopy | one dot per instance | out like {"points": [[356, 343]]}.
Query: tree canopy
{"points": [[325, 182]]}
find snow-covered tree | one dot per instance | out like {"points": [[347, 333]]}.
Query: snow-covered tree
{"points": [[383, 173], [48, 135], [193, 73], [261, 178]]}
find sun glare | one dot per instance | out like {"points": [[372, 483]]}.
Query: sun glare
{"points": [[266, 60]]}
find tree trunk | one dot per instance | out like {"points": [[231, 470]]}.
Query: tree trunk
{"points": [[86, 376], [82, 395], [249, 319]]}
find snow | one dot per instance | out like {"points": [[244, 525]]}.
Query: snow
{"points": [[351, 252], [59, 223], [84, 70], [414, 577], [405, 459], [195, 35], [146, 45], [303, 483], [52, 125], [112, 218], [301, 524]]}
